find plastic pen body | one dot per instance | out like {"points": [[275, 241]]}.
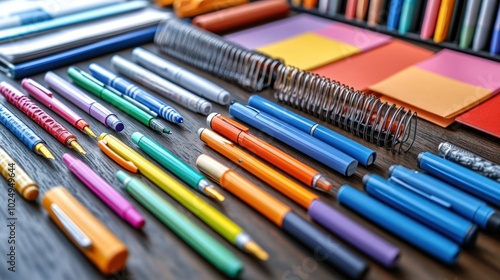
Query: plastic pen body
{"points": [[15, 175], [362, 154], [406, 228], [46, 97], [281, 215], [296, 139], [104, 191], [213, 251], [125, 87], [428, 213], [83, 101], [460, 177], [447, 196], [181, 76]]}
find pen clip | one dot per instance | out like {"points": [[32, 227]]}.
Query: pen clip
{"points": [[232, 122], [38, 86], [128, 165], [71, 228], [434, 199]]}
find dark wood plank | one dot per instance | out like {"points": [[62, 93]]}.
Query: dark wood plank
{"points": [[44, 252]]}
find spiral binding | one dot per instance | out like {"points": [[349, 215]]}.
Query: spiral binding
{"points": [[361, 114], [212, 53]]}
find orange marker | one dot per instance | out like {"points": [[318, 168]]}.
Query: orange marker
{"points": [[238, 133]]}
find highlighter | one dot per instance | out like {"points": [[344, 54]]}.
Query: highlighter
{"points": [[91, 237]]}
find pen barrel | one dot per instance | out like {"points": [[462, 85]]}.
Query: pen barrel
{"points": [[168, 160], [364, 240], [19, 128], [13, 173], [364, 155], [325, 247], [445, 195], [406, 228], [106, 251], [461, 177], [428, 213], [213, 251], [296, 139], [32, 110]]}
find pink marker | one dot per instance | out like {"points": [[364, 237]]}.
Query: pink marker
{"points": [[430, 18], [104, 191]]}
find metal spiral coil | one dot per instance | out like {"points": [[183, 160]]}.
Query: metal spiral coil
{"points": [[361, 114], [212, 53]]}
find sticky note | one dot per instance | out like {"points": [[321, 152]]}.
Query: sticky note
{"points": [[361, 38], [485, 117]]}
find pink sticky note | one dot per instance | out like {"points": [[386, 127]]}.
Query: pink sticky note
{"points": [[361, 38]]}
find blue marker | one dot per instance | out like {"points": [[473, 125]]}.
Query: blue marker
{"points": [[364, 155], [495, 37], [295, 138], [394, 14], [447, 196], [129, 89], [460, 177], [428, 213], [406, 228]]}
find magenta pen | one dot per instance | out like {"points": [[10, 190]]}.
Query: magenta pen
{"points": [[104, 191]]}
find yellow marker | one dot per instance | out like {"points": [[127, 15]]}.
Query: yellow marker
{"points": [[134, 162], [16, 176], [443, 20]]}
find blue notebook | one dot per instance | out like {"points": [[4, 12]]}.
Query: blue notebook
{"points": [[132, 39]]}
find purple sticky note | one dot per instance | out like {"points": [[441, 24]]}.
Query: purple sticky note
{"points": [[465, 68], [361, 38], [279, 30]]}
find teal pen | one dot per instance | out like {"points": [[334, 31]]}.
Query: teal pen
{"points": [[175, 165], [408, 13]]}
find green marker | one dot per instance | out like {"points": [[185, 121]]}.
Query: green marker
{"points": [[213, 251], [100, 90], [175, 165]]}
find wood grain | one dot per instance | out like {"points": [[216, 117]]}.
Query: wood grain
{"points": [[44, 252]]}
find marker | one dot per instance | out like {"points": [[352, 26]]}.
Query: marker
{"points": [[495, 37], [408, 12], [469, 23], [17, 177], [281, 215], [430, 18], [443, 20], [447, 196], [295, 138], [484, 24], [394, 14], [364, 155], [460, 177]]}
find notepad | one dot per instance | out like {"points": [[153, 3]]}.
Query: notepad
{"points": [[444, 86], [368, 68], [485, 117]]}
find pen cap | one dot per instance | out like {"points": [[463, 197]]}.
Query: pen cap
{"points": [[214, 169], [91, 237], [218, 122]]}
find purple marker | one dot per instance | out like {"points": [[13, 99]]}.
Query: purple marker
{"points": [[83, 101], [104, 191]]}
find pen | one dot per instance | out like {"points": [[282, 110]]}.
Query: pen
{"points": [[161, 86], [175, 165], [89, 235], [295, 138], [469, 23], [443, 20], [484, 22], [212, 250], [97, 88], [401, 225], [128, 89], [181, 76], [104, 191], [447, 196], [362, 154], [283, 216], [46, 97], [134, 162], [364, 240], [238, 133], [17, 177], [24, 133], [427, 212], [23, 103], [495, 37], [83, 101], [460, 177]]}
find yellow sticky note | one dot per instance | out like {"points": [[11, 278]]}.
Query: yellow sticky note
{"points": [[308, 50]]}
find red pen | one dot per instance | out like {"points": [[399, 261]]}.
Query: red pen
{"points": [[23, 103], [46, 97]]}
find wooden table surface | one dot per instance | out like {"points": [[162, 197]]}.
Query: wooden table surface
{"points": [[44, 252]]}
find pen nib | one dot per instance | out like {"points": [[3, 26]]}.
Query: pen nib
{"points": [[89, 132], [210, 191], [46, 152], [254, 249], [77, 147]]}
